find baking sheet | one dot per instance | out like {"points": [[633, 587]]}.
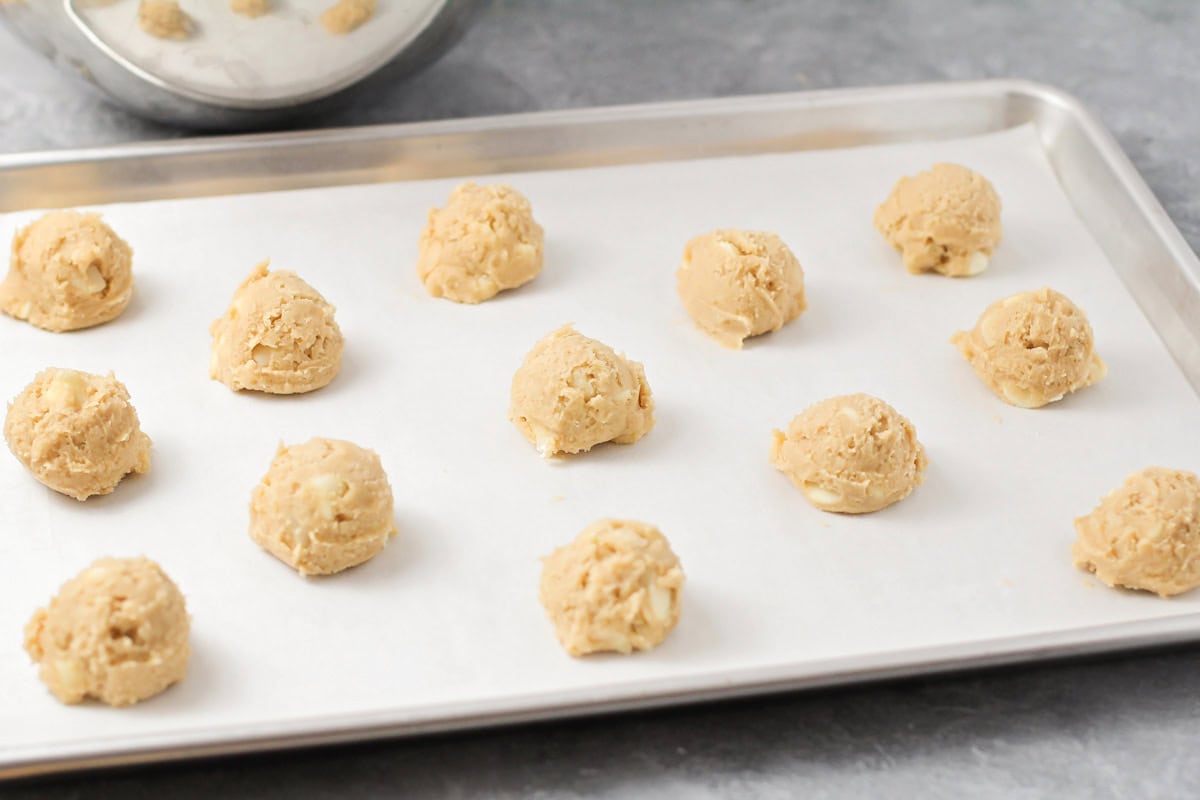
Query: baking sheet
{"points": [[286, 52], [446, 620]]}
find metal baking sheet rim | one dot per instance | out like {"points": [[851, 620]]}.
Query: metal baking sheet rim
{"points": [[1158, 302], [346, 729]]}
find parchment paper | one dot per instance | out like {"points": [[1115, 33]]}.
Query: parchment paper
{"points": [[447, 620]]}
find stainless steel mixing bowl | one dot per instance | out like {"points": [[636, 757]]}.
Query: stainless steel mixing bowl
{"points": [[235, 73]]}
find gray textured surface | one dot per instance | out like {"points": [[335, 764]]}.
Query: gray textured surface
{"points": [[1118, 728]]}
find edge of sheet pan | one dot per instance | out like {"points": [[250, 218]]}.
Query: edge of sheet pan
{"points": [[603, 699], [1120, 211]]}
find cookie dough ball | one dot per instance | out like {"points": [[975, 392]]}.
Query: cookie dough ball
{"points": [[77, 432], [278, 336], [1032, 348], [852, 454], [323, 506], [573, 393], [615, 588], [250, 8], [164, 19], [1145, 534], [345, 16], [68, 271], [484, 241], [116, 632], [737, 284], [945, 220]]}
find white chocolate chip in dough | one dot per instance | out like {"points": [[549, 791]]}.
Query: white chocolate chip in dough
{"points": [[94, 281], [821, 498], [67, 389], [977, 263]]}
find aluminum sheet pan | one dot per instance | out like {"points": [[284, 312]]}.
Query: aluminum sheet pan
{"points": [[443, 630]]}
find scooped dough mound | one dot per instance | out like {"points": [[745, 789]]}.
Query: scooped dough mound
{"points": [[616, 588], [116, 632], [1032, 348], [278, 336], [76, 432], [573, 393], [323, 506], [1145, 534], [484, 241], [945, 220], [852, 454], [737, 284], [250, 8], [345, 16], [164, 19], [68, 271]]}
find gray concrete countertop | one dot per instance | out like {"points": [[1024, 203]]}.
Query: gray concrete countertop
{"points": [[1122, 727]]}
